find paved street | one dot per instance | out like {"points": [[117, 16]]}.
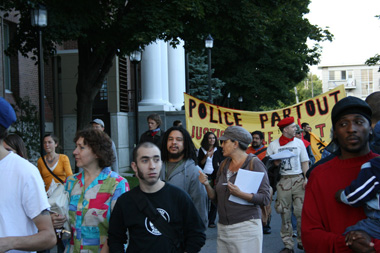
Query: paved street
{"points": [[272, 242]]}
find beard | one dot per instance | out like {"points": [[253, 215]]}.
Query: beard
{"points": [[255, 145], [176, 155]]}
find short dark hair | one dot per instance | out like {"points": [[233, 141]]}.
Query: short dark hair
{"points": [[156, 117], [142, 145], [304, 124], [189, 148], [100, 144], [3, 132], [373, 100], [55, 138], [177, 122], [259, 133], [204, 142], [15, 142]]}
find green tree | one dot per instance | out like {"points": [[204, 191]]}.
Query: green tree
{"points": [[27, 126], [310, 87], [198, 78], [260, 47], [103, 29]]}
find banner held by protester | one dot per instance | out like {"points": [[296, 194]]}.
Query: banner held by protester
{"points": [[202, 117]]}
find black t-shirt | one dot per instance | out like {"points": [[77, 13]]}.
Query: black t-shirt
{"points": [[174, 205]]}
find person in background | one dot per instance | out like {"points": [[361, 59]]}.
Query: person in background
{"points": [[98, 124], [240, 226], [14, 143], [258, 149], [93, 192], [179, 167], [291, 186], [155, 133], [257, 146], [306, 131], [299, 132], [173, 203], [210, 156], [177, 123], [373, 100], [59, 164], [322, 216], [25, 221]]}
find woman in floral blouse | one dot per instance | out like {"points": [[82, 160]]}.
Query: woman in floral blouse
{"points": [[93, 192]]}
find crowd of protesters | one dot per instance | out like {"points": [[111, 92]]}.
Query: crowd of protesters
{"points": [[329, 206]]}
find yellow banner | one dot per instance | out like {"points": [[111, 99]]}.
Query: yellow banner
{"points": [[202, 117]]}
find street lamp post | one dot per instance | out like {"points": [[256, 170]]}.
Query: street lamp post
{"points": [[135, 58], [228, 99], [240, 99], [209, 42], [39, 19]]}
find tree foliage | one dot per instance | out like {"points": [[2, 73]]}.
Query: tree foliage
{"points": [[260, 48], [198, 78], [308, 88], [27, 126]]}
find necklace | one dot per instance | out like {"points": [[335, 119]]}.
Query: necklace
{"points": [[52, 160]]}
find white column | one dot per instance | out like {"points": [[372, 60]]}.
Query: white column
{"points": [[164, 72], [177, 79], [151, 87]]}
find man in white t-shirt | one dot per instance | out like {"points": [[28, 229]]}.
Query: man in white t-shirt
{"points": [[291, 187], [25, 223]]}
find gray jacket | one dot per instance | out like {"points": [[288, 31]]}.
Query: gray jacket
{"points": [[185, 176]]}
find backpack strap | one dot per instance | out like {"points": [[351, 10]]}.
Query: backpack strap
{"points": [[146, 207], [262, 150], [251, 163]]}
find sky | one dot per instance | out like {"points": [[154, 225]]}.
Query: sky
{"points": [[355, 28]]}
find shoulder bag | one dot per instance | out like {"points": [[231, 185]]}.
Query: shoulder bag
{"points": [[59, 203]]}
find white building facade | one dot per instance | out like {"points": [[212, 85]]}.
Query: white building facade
{"points": [[359, 80]]}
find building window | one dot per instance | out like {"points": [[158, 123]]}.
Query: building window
{"points": [[332, 75], [7, 60], [343, 75], [367, 82], [350, 74], [103, 91]]}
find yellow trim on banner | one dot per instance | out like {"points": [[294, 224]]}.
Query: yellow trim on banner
{"points": [[202, 117]]}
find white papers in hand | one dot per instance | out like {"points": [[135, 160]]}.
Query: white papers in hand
{"points": [[247, 181], [282, 155]]}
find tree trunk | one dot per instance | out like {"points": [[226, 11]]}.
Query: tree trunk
{"points": [[84, 109], [92, 70]]}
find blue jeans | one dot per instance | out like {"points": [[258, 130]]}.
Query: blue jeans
{"points": [[371, 225]]}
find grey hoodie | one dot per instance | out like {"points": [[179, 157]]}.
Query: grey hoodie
{"points": [[185, 176]]}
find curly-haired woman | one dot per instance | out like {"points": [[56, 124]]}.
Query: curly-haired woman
{"points": [[93, 192]]}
